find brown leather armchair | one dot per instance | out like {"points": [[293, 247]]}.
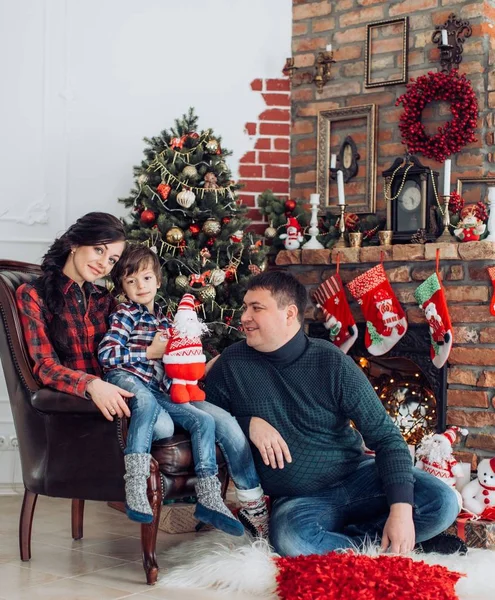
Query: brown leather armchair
{"points": [[68, 450]]}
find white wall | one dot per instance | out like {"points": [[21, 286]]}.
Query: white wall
{"points": [[84, 82]]}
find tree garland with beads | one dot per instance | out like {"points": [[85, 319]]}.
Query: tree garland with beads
{"points": [[456, 133]]}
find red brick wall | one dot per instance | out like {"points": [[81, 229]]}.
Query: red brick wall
{"points": [[343, 23], [267, 166]]}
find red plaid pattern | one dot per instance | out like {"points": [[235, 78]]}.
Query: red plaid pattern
{"points": [[84, 329]]}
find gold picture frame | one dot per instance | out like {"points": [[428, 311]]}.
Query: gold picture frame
{"points": [[386, 52], [333, 127], [478, 181]]}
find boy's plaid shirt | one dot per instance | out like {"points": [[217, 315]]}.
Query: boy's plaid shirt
{"points": [[84, 328], [132, 329]]}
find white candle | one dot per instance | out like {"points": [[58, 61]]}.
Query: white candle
{"points": [[446, 175], [329, 47], [333, 161], [445, 39], [340, 187], [314, 199], [491, 196]]}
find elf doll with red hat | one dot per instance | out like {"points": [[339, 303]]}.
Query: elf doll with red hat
{"points": [[293, 237], [184, 359], [434, 455]]}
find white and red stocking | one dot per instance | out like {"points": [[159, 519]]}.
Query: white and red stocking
{"points": [[491, 273], [430, 296], [330, 297], [386, 321]]}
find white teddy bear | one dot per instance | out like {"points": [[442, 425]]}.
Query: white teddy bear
{"points": [[479, 495]]}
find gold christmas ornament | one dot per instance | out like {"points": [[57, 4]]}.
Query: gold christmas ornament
{"points": [[212, 146], [181, 282], [217, 277], [190, 172], [270, 232], [207, 293], [211, 227], [174, 236], [186, 198]]}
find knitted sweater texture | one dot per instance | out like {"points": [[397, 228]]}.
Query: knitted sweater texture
{"points": [[311, 401]]}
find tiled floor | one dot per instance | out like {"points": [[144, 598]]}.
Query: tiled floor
{"points": [[105, 565]]}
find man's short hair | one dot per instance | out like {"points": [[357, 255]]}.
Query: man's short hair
{"points": [[284, 287], [134, 258]]}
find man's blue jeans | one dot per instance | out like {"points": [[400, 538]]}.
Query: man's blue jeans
{"points": [[355, 510], [151, 410]]}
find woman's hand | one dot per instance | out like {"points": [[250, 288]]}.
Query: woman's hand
{"points": [[109, 398], [157, 347]]}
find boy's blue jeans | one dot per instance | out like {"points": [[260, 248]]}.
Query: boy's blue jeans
{"points": [[153, 414], [355, 510]]}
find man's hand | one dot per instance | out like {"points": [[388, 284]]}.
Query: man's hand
{"points": [[269, 442], [398, 533], [210, 364], [157, 347]]}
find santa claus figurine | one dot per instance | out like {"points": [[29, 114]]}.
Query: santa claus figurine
{"points": [[184, 360], [389, 319], [479, 495], [434, 456], [470, 227], [293, 237], [437, 329]]}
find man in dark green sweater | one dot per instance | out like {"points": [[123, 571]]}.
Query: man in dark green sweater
{"points": [[294, 397]]}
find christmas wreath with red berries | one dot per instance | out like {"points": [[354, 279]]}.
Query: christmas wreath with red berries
{"points": [[456, 133]]}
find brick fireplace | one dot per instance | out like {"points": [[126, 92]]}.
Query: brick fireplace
{"points": [[470, 397]]}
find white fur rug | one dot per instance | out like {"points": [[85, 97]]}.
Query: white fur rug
{"points": [[219, 561]]}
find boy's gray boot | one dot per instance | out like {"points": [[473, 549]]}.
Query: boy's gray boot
{"points": [[211, 508], [137, 471]]}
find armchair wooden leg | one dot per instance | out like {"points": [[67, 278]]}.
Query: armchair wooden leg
{"points": [[77, 518], [25, 524], [150, 531]]}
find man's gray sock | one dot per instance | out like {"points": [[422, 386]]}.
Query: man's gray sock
{"points": [[211, 508], [137, 471]]}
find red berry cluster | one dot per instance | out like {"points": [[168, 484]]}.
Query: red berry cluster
{"points": [[456, 203], [456, 133]]}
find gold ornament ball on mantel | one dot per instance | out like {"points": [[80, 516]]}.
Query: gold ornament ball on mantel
{"points": [[182, 282], [211, 227], [207, 293], [190, 172], [174, 236]]}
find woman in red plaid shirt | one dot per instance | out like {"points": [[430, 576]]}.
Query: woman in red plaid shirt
{"points": [[65, 315]]}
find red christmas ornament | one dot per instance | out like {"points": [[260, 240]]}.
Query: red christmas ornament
{"points": [[194, 228], [351, 221], [176, 143], [229, 275], [290, 205], [193, 135], [211, 241], [225, 220], [147, 217], [228, 320], [164, 190]]}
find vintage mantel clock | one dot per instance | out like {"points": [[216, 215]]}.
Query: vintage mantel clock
{"points": [[410, 193]]}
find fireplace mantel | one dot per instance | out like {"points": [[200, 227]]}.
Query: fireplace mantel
{"points": [[471, 366]]}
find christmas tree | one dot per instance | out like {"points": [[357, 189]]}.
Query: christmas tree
{"points": [[185, 207]]}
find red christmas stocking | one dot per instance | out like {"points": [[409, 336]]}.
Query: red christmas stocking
{"points": [[386, 322], [330, 297], [491, 273], [430, 296]]}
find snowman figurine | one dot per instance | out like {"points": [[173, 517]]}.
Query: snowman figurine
{"points": [[293, 237], [479, 495]]}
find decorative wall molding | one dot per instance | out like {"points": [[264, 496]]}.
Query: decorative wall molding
{"points": [[36, 213]]}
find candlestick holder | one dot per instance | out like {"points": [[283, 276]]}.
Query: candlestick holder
{"points": [[445, 236], [341, 243], [313, 243]]}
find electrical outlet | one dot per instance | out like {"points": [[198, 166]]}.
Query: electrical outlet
{"points": [[13, 443], [3, 442]]}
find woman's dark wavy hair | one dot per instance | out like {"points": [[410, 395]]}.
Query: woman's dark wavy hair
{"points": [[91, 229]]}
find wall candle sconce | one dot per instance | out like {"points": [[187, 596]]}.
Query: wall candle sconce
{"points": [[450, 38], [321, 75]]}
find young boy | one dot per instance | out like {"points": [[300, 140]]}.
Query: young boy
{"points": [[131, 355]]}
